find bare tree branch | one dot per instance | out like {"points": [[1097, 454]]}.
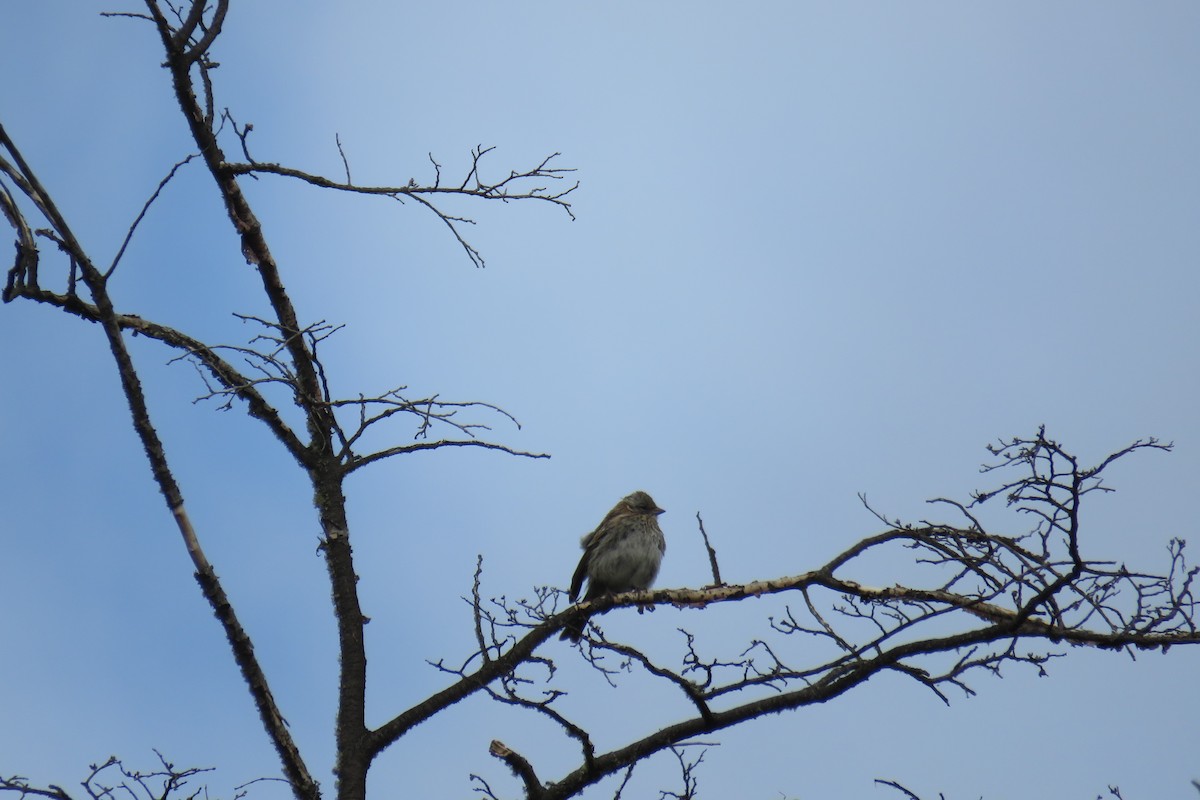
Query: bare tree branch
{"points": [[142, 214], [898, 788], [516, 186], [520, 767], [712, 554], [112, 780], [1008, 598]]}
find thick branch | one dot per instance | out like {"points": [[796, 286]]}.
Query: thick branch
{"points": [[249, 229], [309, 396], [102, 311]]}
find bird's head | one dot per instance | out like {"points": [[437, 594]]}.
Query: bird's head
{"points": [[642, 503]]}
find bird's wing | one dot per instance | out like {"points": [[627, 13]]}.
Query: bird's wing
{"points": [[589, 543]]}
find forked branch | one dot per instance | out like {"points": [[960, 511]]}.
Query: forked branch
{"points": [[112, 780], [528, 184]]}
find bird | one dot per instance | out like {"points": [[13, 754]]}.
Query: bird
{"points": [[623, 553]]}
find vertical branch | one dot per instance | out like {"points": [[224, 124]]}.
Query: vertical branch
{"points": [[321, 462], [180, 60], [712, 554], [353, 753]]}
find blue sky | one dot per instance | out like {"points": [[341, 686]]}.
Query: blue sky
{"points": [[820, 249]]}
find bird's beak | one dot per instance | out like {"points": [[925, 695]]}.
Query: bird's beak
{"points": [[658, 511]]}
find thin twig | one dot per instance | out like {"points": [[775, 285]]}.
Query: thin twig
{"points": [[712, 554], [129, 234]]}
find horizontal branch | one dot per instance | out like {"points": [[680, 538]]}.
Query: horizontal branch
{"points": [[990, 612], [495, 191], [516, 186], [362, 461], [498, 191], [1003, 624]]}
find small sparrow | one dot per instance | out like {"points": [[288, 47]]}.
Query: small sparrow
{"points": [[622, 554]]}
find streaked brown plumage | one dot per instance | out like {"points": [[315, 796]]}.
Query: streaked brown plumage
{"points": [[622, 554]]}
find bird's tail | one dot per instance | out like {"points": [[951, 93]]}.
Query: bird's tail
{"points": [[573, 631]]}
